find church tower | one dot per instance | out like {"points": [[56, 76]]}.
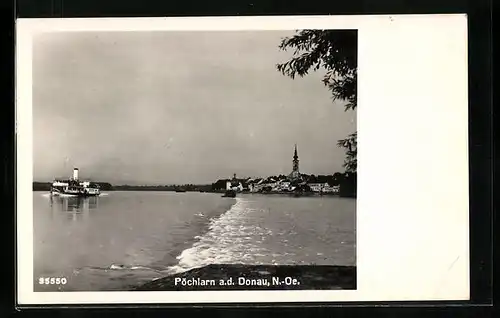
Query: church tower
{"points": [[295, 160], [295, 169]]}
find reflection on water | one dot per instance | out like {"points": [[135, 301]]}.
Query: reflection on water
{"points": [[75, 208]]}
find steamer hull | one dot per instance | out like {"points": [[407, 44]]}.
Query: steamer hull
{"points": [[74, 187]]}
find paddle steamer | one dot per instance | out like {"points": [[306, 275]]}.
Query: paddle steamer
{"points": [[73, 187]]}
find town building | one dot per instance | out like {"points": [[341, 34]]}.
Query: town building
{"points": [[324, 187]]}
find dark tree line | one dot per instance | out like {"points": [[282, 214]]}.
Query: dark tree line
{"points": [[183, 188]]}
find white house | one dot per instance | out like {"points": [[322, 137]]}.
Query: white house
{"points": [[255, 187], [285, 184], [237, 186], [317, 187], [332, 189]]}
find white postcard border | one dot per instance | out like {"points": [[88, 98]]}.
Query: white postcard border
{"points": [[412, 206]]}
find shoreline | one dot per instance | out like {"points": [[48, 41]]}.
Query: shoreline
{"points": [[45, 186], [257, 277], [305, 194]]}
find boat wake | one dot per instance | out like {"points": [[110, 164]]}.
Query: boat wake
{"points": [[133, 267], [122, 267], [230, 239], [115, 277], [121, 274]]}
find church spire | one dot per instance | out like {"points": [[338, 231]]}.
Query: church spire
{"points": [[295, 174], [295, 161]]}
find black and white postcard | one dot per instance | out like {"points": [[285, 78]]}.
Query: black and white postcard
{"points": [[219, 157]]}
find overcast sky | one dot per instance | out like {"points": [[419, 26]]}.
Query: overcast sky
{"points": [[178, 107]]}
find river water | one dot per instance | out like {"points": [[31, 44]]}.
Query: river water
{"points": [[125, 238]]}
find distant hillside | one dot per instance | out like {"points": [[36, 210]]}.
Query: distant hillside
{"points": [[41, 186]]}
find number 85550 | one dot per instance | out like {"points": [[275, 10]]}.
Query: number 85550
{"points": [[52, 280]]}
